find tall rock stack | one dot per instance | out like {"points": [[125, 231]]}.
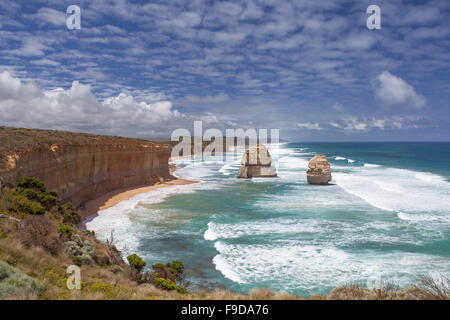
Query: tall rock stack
{"points": [[257, 163], [319, 171]]}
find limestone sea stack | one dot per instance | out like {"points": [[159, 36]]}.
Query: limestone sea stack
{"points": [[319, 171], [257, 163]]}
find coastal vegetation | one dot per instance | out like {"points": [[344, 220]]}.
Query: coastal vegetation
{"points": [[40, 237]]}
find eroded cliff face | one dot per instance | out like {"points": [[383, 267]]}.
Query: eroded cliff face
{"points": [[83, 172]]}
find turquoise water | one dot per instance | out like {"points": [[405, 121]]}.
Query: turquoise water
{"points": [[386, 216]]}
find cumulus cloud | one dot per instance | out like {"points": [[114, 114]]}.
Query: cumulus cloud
{"points": [[76, 108], [393, 90], [309, 126]]}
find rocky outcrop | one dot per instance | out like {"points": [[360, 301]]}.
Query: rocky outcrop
{"points": [[319, 171], [257, 162], [81, 172]]}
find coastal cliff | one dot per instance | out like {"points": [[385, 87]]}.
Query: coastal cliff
{"points": [[80, 167]]}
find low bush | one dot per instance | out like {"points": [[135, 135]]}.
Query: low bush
{"points": [[47, 201], [167, 284], [72, 218], [30, 183], [13, 282], [22, 204], [30, 194], [67, 206], [167, 276], [65, 230], [53, 194], [81, 251], [137, 262], [39, 232]]}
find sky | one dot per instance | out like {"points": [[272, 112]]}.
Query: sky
{"points": [[310, 68]]}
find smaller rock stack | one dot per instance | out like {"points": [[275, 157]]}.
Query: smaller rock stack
{"points": [[257, 163], [319, 171]]}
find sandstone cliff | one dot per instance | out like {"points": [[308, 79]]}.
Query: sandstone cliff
{"points": [[319, 171], [257, 162], [80, 167]]}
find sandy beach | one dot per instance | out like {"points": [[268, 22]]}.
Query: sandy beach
{"points": [[112, 198]]}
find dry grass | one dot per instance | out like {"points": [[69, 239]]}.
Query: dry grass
{"points": [[435, 288]]}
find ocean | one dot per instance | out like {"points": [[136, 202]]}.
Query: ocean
{"points": [[385, 217]]}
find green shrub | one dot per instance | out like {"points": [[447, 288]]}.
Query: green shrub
{"points": [[176, 268], [30, 194], [37, 210], [47, 201], [53, 194], [171, 270], [65, 230], [72, 218], [181, 289], [167, 284], [24, 205], [86, 259], [137, 262], [73, 249], [81, 251], [30, 183], [67, 206], [14, 282]]}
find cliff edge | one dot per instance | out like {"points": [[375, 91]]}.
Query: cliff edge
{"points": [[79, 166]]}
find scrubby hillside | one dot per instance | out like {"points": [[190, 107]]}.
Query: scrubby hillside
{"points": [[40, 238]]}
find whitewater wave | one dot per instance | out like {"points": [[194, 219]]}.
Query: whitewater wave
{"points": [[399, 190], [308, 266], [369, 165]]}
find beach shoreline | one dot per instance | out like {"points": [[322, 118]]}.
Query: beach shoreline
{"points": [[112, 198]]}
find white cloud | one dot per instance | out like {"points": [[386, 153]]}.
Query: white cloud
{"points": [[309, 125], [49, 16], [393, 90], [30, 47], [76, 108]]}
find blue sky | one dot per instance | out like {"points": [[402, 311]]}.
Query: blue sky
{"points": [[309, 68]]}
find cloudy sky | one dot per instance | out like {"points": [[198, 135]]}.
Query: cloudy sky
{"points": [[309, 68]]}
